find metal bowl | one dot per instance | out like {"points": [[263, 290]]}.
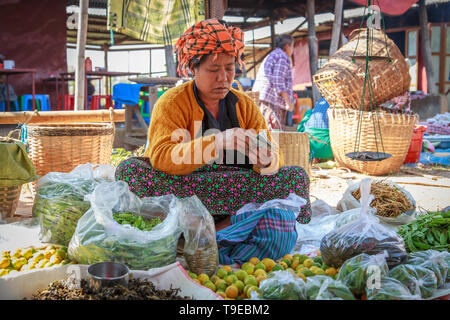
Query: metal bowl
{"points": [[107, 274]]}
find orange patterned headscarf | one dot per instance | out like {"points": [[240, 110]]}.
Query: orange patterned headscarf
{"points": [[208, 37]]}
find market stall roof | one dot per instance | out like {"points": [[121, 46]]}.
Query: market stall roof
{"points": [[251, 14], [264, 11]]}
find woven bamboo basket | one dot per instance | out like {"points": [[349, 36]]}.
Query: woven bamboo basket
{"points": [[396, 132], [341, 81], [62, 147], [9, 198], [295, 148]]}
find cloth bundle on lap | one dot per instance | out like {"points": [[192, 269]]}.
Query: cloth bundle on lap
{"points": [[263, 231]]}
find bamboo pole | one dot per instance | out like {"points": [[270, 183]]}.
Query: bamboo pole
{"points": [[312, 42], [80, 71], [336, 33], [170, 62], [426, 48], [86, 116]]}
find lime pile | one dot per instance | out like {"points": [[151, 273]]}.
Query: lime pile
{"points": [[238, 284], [32, 258]]}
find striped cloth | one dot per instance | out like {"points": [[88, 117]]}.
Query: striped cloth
{"points": [[156, 21], [266, 233]]}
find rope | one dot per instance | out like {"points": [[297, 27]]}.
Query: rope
{"points": [[368, 82]]}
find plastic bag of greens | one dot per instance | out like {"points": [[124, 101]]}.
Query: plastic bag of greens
{"points": [[199, 231], [363, 235], [433, 260], [390, 289], [419, 280], [100, 237], [325, 288], [360, 271], [446, 256], [59, 201], [282, 285]]}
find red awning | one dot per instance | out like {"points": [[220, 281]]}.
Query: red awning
{"points": [[390, 7]]}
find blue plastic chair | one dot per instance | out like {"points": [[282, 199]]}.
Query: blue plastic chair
{"points": [[42, 102], [13, 105]]}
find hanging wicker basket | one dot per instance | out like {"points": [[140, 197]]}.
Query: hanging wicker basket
{"points": [[62, 147], [341, 80], [396, 132], [295, 148]]}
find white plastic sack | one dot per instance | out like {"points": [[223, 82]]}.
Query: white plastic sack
{"points": [[293, 202], [87, 171], [349, 202], [98, 237], [25, 284], [313, 232], [320, 208]]}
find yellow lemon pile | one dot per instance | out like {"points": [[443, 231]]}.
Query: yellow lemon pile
{"points": [[32, 258]]}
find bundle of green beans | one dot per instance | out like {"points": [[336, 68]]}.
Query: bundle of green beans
{"points": [[59, 206], [429, 231]]}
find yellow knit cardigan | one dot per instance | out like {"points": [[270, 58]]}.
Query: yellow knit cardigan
{"points": [[173, 144]]}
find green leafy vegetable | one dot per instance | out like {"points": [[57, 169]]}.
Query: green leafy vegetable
{"points": [[429, 231], [136, 221]]}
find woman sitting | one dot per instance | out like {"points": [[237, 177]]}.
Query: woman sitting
{"points": [[201, 139]]}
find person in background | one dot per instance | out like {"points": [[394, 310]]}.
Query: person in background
{"points": [[200, 129], [274, 83], [315, 122]]}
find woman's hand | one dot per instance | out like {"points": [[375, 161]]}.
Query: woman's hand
{"points": [[232, 139], [260, 157], [244, 141]]}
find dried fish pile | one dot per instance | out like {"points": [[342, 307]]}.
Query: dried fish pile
{"points": [[388, 200], [138, 289]]}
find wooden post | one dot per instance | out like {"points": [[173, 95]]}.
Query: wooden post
{"points": [[338, 5], [80, 71], [426, 47], [106, 49], [170, 62], [254, 53], [312, 42], [272, 33]]}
